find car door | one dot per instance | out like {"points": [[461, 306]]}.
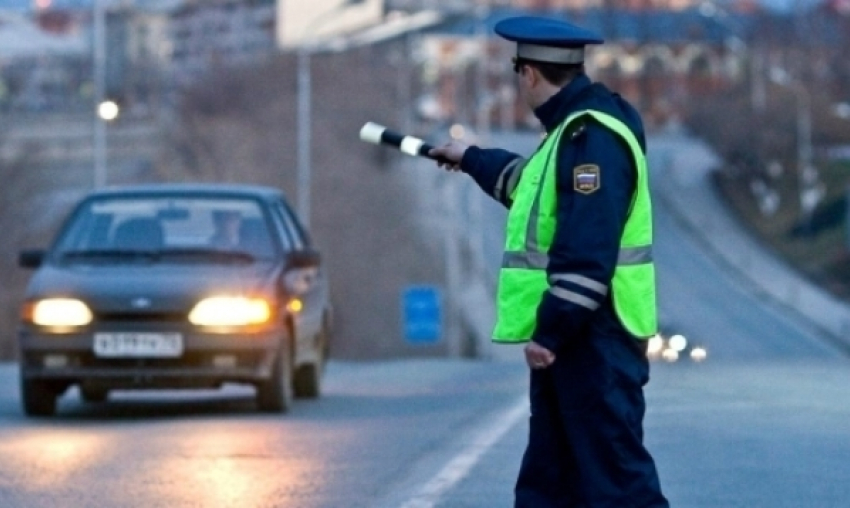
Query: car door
{"points": [[307, 281]]}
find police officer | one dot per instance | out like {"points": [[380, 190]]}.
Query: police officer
{"points": [[577, 282]]}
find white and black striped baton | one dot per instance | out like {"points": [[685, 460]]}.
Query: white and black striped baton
{"points": [[380, 135]]}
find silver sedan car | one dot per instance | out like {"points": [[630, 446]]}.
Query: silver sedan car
{"points": [[175, 286]]}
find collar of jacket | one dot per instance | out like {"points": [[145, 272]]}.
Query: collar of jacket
{"points": [[552, 112]]}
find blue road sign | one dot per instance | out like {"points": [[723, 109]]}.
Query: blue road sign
{"points": [[422, 316]]}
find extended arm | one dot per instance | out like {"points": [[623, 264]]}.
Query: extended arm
{"points": [[495, 170]]}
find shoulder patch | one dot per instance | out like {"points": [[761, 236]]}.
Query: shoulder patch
{"points": [[586, 178]]}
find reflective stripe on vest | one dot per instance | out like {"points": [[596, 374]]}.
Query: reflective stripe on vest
{"points": [[531, 229]]}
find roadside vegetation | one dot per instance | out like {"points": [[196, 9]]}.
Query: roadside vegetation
{"points": [[802, 215]]}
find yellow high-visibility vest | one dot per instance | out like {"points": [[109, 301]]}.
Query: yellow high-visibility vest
{"points": [[531, 229]]}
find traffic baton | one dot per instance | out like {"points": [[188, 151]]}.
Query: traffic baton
{"points": [[380, 135]]}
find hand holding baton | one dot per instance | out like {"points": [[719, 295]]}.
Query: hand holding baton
{"points": [[380, 135]]}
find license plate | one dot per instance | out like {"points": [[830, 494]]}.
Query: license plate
{"points": [[138, 345]]}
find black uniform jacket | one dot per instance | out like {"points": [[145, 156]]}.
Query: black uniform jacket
{"points": [[584, 252]]}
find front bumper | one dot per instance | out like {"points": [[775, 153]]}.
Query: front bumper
{"points": [[207, 360]]}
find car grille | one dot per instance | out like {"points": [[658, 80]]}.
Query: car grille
{"points": [[143, 317]]}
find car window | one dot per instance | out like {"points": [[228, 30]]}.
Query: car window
{"points": [[169, 223], [292, 226], [286, 234]]}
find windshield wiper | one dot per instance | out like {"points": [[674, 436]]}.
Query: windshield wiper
{"points": [[71, 255], [206, 254]]}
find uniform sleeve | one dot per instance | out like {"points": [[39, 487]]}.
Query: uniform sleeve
{"points": [[591, 215], [495, 170]]}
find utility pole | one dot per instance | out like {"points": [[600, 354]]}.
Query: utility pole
{"points": [[304, 111], [99, 71], [305, 128]]}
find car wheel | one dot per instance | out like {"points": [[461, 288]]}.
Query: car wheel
{"points": [[326, 342], [275, 394], [308, 377], [39, 398], [90, 394], [307, 381]]}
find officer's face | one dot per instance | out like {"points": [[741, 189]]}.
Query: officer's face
{"points": [[521, 72], [527, 80]]}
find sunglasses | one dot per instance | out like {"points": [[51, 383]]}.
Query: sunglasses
{"points": [[518, 63]]}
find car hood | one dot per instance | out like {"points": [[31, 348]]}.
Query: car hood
{"points": [[150, 287]]}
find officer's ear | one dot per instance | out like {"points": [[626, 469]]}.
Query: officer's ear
{"points": [[532, 75]]}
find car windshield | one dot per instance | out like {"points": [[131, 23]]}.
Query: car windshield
{"points": [[167, 229]]}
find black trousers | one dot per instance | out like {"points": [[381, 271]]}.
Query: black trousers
{"points": [[585, 445]]}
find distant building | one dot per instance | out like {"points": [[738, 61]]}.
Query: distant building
{"points": [[659, 59], [153, 46], [206, 33], [300, 21], [572, 5], [40, 70]]}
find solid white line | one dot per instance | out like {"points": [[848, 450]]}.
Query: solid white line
{"points": [[458, 467]]}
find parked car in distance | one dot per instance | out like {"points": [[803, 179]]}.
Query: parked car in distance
{"points": [[175, 286]]}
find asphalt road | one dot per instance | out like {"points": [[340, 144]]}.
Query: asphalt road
{"points": [[376, 423], [762, 422]]}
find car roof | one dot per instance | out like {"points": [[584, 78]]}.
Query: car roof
{"points": [[197, 189]]}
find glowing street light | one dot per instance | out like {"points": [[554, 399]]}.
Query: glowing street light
{"points": [[108, 110]]}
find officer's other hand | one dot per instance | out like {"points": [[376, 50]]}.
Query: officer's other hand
{"points": [[537, 356], [453, 153]]}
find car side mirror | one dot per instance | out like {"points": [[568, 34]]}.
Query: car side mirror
{"points": [[31, 258], [302, 268]]}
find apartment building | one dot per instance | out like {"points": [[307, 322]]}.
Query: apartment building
{"points": [[206, 33]]}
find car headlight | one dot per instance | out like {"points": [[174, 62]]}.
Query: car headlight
{"points": [[230, 311], [656, 344], [58, 312]]}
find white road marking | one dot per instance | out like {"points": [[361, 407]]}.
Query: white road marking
{"points": [[459, 466]]}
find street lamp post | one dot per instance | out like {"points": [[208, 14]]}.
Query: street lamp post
{"points": [[810, 188], [304, 134], [99, 71], [804, 127], [304, 112], [738, 45]]}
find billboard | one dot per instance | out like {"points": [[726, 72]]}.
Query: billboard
{"points": [[300, 21]]}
